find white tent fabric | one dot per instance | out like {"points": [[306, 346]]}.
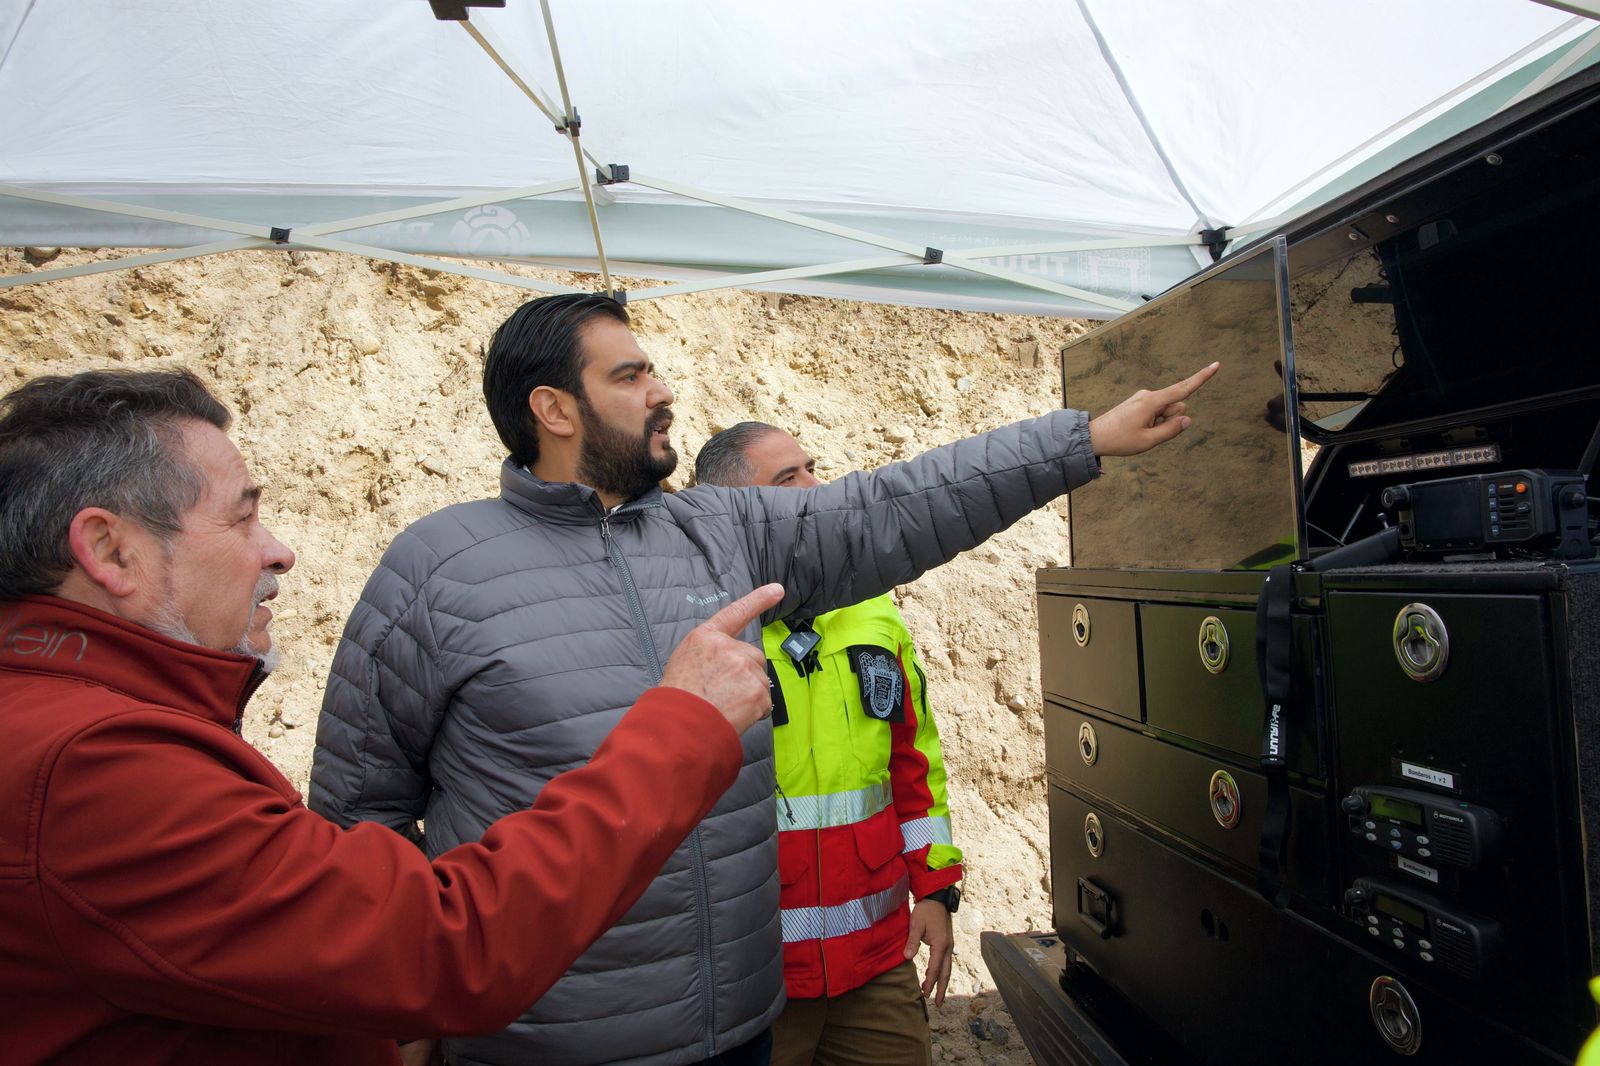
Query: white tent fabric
{"points": [[1063, 157]]}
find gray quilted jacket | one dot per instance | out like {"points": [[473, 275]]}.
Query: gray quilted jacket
{"points": [[500, 640]]}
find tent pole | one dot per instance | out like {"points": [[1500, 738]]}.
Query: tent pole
{"points": [[572, 126], [522, 79], [893, 244], [1015, 278], [762, 277], [128, 262], [959, 261], [1138, 113], [155, 214], [519, 77], [566, 121], [497, 196], [1576, 7]]}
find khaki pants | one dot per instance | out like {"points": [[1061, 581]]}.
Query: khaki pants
{"points": [[882, 1023]]}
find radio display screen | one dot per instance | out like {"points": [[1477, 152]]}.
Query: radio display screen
{"points": [[1447, 512], [1397, 809], [1405, 912]]}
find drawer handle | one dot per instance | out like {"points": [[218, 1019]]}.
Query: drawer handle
{"points": [[1421, 642], [1080, 624], [1395, 1014], [1224, 796], [1088, 744], [1213, 644], [1094, 834], [1097, 909]]}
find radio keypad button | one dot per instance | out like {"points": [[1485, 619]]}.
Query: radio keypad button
{"points": [[1423, 853], [1372, 930], [1425, 945], [1395, 844], [1426, 956], [1422, 840], [1370, 825], [1399, 943], [1372, 919], [1372, 836]]}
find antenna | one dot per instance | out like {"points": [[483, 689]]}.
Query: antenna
{"points": [[1586, 466]]}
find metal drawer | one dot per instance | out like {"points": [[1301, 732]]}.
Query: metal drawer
{"points": [[1201, 681], [1181, 792], [1089, 653]]}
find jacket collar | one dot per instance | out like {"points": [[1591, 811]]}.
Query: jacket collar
{"points": [[563, 502], [48, 635]]}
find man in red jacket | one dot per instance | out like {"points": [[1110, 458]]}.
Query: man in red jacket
{"points": [[164, 895]]}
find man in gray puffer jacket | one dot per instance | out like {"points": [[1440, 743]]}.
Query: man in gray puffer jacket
{"points": [[498, 642]]}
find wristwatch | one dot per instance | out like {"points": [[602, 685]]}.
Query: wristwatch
{"points": [[950, 896]]}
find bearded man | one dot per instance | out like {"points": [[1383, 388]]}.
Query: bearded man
{"points": [[499, 641]]}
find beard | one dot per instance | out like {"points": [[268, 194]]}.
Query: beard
{"points": [[618, 462], [167, 621]]}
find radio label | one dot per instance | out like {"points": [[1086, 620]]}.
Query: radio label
{"points": [[1427, 873], [1429, 775]]}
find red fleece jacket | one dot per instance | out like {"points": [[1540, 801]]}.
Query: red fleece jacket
{"points": [[165, 897]]}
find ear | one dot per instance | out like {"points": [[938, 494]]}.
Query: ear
{"points": [[107, 549], [555, 411]]}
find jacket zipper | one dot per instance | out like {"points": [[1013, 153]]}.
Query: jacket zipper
{"points": [[702, 891], [257, 675], [635, 607]]}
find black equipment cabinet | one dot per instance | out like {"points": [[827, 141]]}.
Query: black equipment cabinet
{"points": [[1506, 733], [1441, 879], [1154, 891]]}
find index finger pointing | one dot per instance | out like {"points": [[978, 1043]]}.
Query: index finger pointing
{"points": [[1188, 386], [741, 612]]}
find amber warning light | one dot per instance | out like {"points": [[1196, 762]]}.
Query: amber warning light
{"points": [[1443, 460]]}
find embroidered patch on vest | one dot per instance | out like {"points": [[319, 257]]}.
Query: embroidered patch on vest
{"points": [[780, 712], [883, 686]]}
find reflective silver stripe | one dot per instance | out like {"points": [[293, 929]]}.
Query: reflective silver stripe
{"points": [[833, 808], [819, 923], [920, 832]]}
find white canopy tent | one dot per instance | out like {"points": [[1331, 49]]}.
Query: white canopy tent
{"points": [[1043, 156]]}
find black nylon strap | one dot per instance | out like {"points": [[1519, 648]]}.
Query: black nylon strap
{"points": [[1275, 660]]}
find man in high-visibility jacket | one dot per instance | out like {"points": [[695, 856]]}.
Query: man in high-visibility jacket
{"points": [[862, 815]]}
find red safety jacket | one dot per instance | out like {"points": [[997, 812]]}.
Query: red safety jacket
{"points": [[166, 898], [862, 813]]}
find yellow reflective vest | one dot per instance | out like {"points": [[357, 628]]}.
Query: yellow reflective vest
{"points": [[863, 816]]}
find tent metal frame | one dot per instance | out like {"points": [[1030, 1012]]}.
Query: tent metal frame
{"points": [[568, 124]]}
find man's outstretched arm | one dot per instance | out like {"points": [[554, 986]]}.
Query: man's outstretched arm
{"points": [[860, 536]]}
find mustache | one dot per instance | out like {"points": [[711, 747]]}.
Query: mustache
{"points": [[659, 419], [266, 586]]}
